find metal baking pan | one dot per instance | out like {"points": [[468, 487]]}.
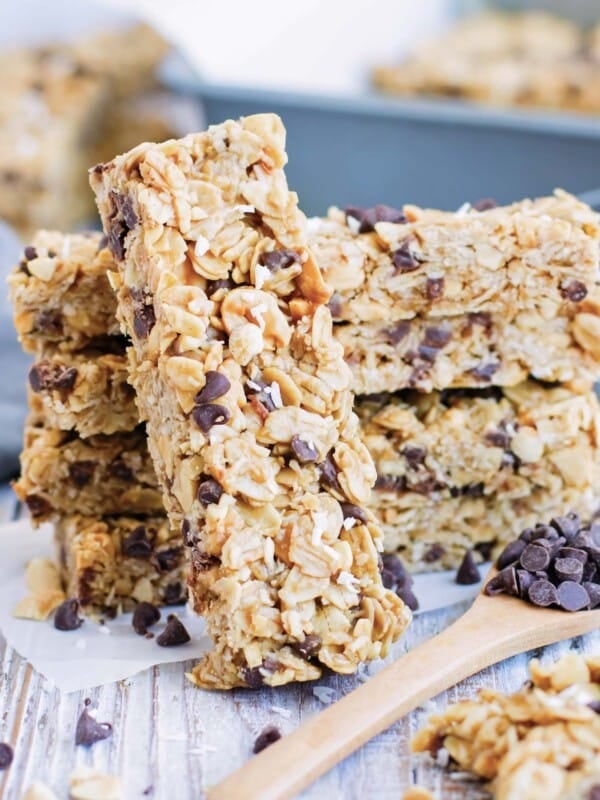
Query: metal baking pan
{"points": [[366, 149]]}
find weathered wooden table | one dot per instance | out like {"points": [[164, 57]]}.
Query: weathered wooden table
{"points": [[171, 740]]}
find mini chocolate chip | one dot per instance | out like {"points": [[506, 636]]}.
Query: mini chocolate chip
{"points": [[399, 332], [168, 559], [468, 573], [44, 377], [221, 283], [543, 593], [434, 288], [369, 217], [437, 337], [6, 755], [390, 483], [88, 731], [505, 582], [268, 736], [328, 474], [435, 552], [484, 204], [414, 455], [511, 553], [304, 451], [253, 677], [593, 591], [484, 372], [498, 438], [428, 354], [278, 259], [209, 491], [202, 561], [573, 552], [525, 580], [309, 646], [173, 594], [388, 580], [137, 544], [144, 318], [67, 616], [572, 596], [575, 291], [38, 506], [350, 511], [119, 469], [594, 705], [473, 489], [335, 305], [568, 525], [125, 206], [49, 323], [210, 414], [82, 472], [534, 558], [394, 565], [408, 597], [403, 259], [216, 386], [568, 569], [144, 616], [174, 633], [30, 253]]}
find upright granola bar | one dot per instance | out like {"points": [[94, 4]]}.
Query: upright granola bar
{"points": [[542, 742], [248, 405], [387, 264], [467, 469]]}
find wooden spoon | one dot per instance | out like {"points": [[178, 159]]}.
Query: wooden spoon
{"points": [[494, 628]]}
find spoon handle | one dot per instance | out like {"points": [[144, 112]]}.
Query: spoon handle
{"points": [[292, 763]]}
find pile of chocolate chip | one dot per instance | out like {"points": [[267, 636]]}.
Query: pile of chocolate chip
{"points": [[555, 565], [395, 576]]}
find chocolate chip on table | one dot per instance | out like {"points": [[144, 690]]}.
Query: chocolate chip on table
{"points": [[82, 472], [209, 491], [6, 755], [350, 511], [368, 217], [572, 596], [575, 291], [144, 616], [403, 259], [216, 386], [534, 557], [304, 451], [392, 564], [505, 582], [45, 376], [278, 259], [210, 414], [89, 731], [511, 553], [137, 544], [66, 616], [309, 646], [268, 736], [174, 633], [467, 572], [434, 288], [543, 593], [568, 569]]}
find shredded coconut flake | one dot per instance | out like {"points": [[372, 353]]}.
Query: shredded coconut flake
{"points": [[320, 526], [348, 580], [66, 248], [261, 274], [257, 312], [283, 712], [349, 522], [276, 395], [353, 224], [104, 629], [245, 209], [313, 224], [464, 209], [201, 246], [442, 757], [324, 694], [254, 386]]}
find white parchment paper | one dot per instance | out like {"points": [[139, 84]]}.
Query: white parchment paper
{"points": [[96, 654]]}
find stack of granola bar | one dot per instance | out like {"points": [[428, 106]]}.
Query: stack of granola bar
{"points": [[474, 341], [85, 463]]}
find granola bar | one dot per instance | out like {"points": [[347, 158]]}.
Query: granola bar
{"points": [[465, 469], [60, 291], [62, 473], [474, 350], [112, 563], [503, 59], [542, 742], [387, 264], [247, 399], [86, 391]]}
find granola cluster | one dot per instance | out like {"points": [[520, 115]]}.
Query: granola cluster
{"points": [[248, 405], [542, 742]]}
